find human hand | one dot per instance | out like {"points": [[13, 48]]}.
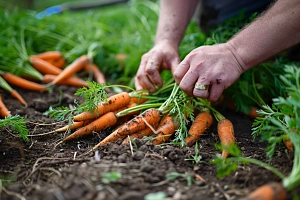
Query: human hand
{"points": [[216, 67], [163, 55]]}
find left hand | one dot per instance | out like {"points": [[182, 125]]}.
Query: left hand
{"points": [[215, 66]]}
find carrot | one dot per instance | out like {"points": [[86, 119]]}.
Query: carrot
{"points": [[73, 126], [253, 113], [270, 191], [43, 66], [72, 81], [288, 144], [49, 55], [23, 83], [149, 117], [103, 122], [138, 100], [143, 133], [226, 134], [71, 69], [4, 112], [98, 75], [202, 122], [165, 130], [16, 95], [59, 63], [124, 118], [113, 103]]}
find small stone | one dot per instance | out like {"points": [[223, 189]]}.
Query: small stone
{"points": [[139, 155]]}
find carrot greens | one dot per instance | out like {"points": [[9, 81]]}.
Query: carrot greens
{"points": [[17, 124]]}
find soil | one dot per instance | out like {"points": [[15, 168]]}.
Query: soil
{"points": [[36, 170]]}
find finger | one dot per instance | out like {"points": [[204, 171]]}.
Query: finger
{"points": [[138, 85], [215, 92], [201, 93], [188, 81], [141, 79], [181, 70], [153, 69], [174, 64]]}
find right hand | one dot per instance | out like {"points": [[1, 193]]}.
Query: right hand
{"points": [[163, 56]]}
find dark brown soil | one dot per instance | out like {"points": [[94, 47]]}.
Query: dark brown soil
{"points": [[36, 170]]}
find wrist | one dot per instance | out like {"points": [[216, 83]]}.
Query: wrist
{"points": [[238, 55], [167, 42]]}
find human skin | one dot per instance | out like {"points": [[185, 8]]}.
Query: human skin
{"points": [[218, 66], [173, 19]]}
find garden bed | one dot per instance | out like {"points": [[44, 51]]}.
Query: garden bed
{"points": [[138, 170]]}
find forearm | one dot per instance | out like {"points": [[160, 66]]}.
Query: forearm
{"points": [[276, 30], [173, 19]]}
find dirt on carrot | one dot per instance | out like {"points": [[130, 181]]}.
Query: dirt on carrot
{"points": [[200, 124], [113, 103], [107, 120], [226, 134], [150, 117], [165, 130]]}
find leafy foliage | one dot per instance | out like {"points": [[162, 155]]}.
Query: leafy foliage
{"points": [[16, 123], [282, 121]]}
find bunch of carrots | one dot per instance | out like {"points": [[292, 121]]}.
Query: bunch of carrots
{"points": [[52, 66], [138, 114]]}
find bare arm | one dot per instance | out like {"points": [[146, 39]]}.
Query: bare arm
{"points": [[271, 33], [173, 19], [219, 66]]}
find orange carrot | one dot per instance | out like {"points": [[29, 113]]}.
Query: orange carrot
{"points": [[113, 103], [43, 66], [226, 134], [72, 81], [98, 75], [270, 191], [165, 130], [49, 55], [124, 118], [59, 63], [103, 122], [4, 112], [202, 122], [138, 100], [23, 83], [73, 126], [16, 95], [149, 117], [253, 113], [289, 145], [143, 133], [71, 69]]}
